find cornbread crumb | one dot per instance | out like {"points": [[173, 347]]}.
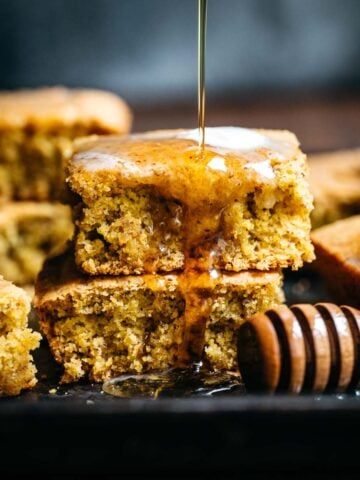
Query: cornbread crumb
{"points": [[29, 231], [17, 371], [243, 296]]}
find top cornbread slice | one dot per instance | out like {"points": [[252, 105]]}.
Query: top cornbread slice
{"points": [[149, 202], [334, 183], [36, 132]]}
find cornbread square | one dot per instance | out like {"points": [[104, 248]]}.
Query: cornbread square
{"points": [[37, 128], [334, 183], [29, 231], [337, 248], [100, 327], [17, 371], [147, 202]]}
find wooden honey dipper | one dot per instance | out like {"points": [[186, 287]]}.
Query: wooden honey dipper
{"points": [[302, 348]]}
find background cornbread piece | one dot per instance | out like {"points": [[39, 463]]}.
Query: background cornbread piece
{"points": [[337, 248], [100, 327], [148, 199], [37, 128], [29, 231], [335, 185], [17, 371]]}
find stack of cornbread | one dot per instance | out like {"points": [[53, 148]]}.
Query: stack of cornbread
{"points": [[173, 249], [37, 128]]}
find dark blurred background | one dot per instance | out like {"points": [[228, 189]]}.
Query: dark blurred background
{"points": [[257, 51]]}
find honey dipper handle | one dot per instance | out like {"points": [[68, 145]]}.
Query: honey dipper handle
{"points": [[302, 348]]}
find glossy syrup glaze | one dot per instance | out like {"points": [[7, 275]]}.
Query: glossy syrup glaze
{"points": [[233, 163]]}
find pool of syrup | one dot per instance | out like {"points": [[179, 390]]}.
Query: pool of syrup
{"points": [[174, 382]]}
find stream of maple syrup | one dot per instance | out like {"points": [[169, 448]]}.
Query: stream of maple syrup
{"points": [[201, 70]]}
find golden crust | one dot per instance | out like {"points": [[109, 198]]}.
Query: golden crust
{"points": [[51, 108]]}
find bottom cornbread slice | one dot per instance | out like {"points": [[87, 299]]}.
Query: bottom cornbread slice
{"points": [[17, 370], [100, 327]]}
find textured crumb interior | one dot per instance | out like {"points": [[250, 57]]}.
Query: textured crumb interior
{"points": [[13, 311], [17, 371], [133, 232], [269, 230], [25, 242], [139, 331], [33, 164], [32, 161], [230, 309], [137, 232], [16, 341]]}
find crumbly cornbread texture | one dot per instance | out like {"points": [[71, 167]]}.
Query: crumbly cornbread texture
{"points": [[37, 128], [29, 231], [17, 371], [148, 201], [100, 327], [337, 249], [235, 298], [334, 183]]}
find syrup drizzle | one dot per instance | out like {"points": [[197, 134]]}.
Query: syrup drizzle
{"points": [[202, 10]]}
